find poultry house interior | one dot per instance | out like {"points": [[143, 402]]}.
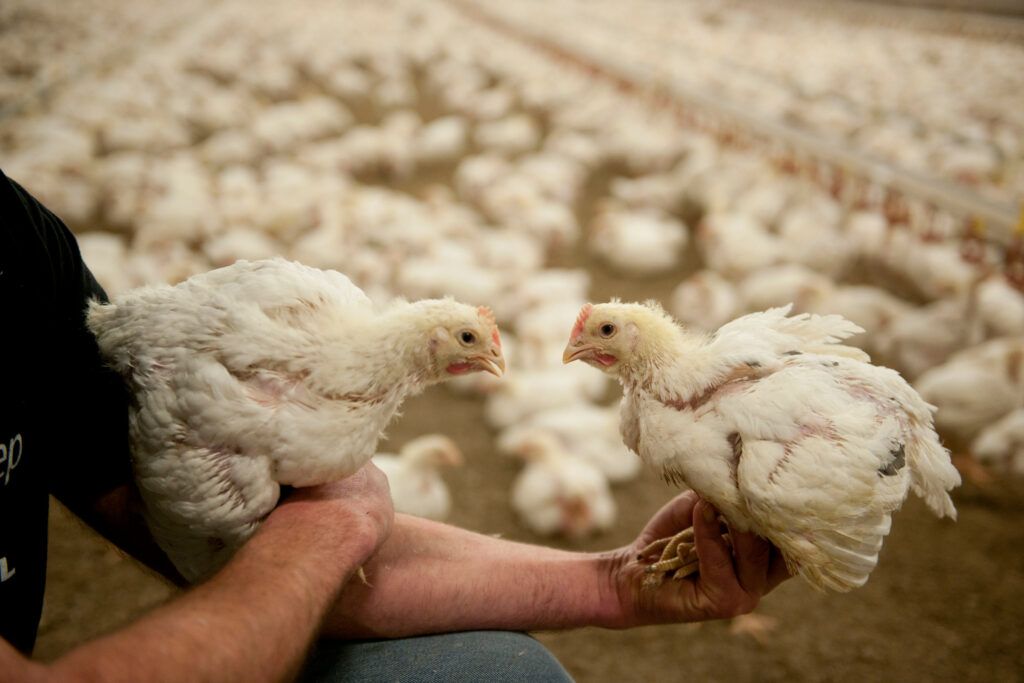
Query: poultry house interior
{"points": [[720, 157]]}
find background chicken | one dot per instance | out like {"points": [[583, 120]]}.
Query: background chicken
{"points": [[1001, 444], [558, 493], [588, 431], [131, 108], [786, 432], [263, 374], [416, 484]]}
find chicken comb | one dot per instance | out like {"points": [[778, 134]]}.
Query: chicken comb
{"points": [[487, 314], [581, 320]]}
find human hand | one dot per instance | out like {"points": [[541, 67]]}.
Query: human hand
{"points": [[730, 581], [340, 512]]}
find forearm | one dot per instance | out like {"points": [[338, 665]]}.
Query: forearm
{"points": [[252, 621], [430, 577]]}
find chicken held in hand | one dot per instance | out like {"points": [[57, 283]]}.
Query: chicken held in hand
{"points": [[263, 374], [787, 432]]}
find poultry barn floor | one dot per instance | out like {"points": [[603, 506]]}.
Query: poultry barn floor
{"points": [[945, 603]]}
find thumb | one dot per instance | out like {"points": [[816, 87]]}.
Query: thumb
{"points": [[673, 517]]}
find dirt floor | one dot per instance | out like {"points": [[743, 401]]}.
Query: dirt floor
{"points": [[945, 603]]}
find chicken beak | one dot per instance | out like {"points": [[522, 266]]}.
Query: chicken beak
{"points": [[575, 352], [494, 364], [587, 352]]}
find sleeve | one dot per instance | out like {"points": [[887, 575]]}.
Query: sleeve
{"points": [[85, 403]]}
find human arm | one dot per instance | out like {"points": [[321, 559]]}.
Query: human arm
{"points": [[430, 577], [253, 620]]}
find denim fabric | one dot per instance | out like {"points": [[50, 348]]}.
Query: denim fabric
{"points": [[470, 656]]}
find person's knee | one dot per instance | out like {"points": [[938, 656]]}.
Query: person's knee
{"points": [[512, 656], [469, 656]]}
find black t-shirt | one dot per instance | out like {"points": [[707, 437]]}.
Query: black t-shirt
{"points": [[63, 416]]}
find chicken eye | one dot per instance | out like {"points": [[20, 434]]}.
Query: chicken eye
{"points": [[467, 337], [607, 330]]}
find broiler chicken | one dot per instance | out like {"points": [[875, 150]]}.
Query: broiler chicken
{"points": [[263, 374], [416, 485], [558, 493], [996, 366], [788, 433], [586, 430], [1001, 444]]}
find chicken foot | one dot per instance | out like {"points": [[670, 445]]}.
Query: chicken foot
{"points": [[676, 555], [675, 551]]}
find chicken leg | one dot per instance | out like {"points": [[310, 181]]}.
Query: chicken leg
{"points": [[675, 554]]}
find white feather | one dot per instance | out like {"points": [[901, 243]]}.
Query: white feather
{"points": [[257, 375], [789, 433]]}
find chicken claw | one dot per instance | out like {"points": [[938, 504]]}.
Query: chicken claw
{"points": [[667, 547], [675, 554]]}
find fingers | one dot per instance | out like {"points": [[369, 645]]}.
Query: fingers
{"points": [[713, 552], [752, 562], [778, 570], [735, 571], [734, 578], [672, 518], [753, 559]]}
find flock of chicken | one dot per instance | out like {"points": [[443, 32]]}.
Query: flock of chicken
{"points": [[371, 142], [791, 62]]}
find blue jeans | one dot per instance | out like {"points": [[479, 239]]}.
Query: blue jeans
{"points": [[470, 656]]}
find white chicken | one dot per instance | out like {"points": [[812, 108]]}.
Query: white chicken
{"points": [[778, 285], [529, 392], [557, 493], [1000, 306], [786, 432], [263, 374], [735, 245], [638, 242], [925, 337], [809, 230], [586, 430], [976, 386], [416, 484], [443, 140], [871, 308], [513, 135], [705, 299], [1000, 445]]}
